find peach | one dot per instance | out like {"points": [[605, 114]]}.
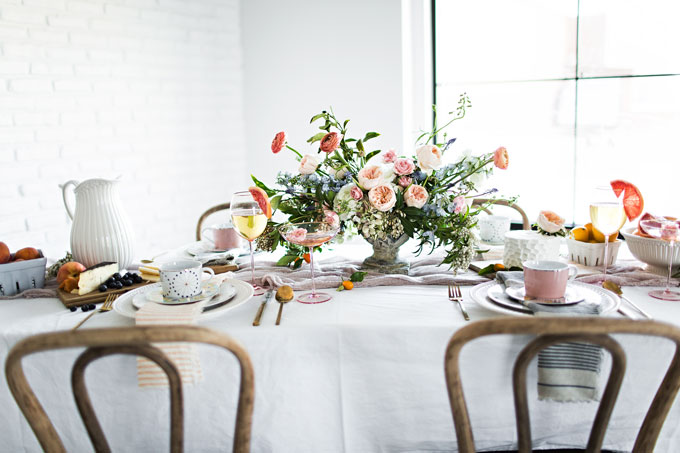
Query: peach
{"points": [[27, 253], [4, 253], [69, 284], [69, 270]]}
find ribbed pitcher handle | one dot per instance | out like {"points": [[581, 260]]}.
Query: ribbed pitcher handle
{"points": [[73, 182]]}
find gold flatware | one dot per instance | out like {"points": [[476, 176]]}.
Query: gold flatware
{"points": [[613, 287], [258, 316], [283, 295], [455, 295], [107, 306]]}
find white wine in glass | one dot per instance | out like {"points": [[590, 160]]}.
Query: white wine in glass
{"points": [[249, 222], [607, 216]]}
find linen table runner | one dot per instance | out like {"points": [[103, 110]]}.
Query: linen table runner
{"points": [[183, 355], [567, 371]]}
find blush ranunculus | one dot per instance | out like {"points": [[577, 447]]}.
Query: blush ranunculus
{"points": [[500, 158], [382, 197], [550, 222], [331, 218], [429, 157], [405, 181], [404, 166], [370, 176], [279, 142], [416, 196], [458, 204], [297, 235], [389, 157], [356, 193], [329, 142], [308, 164]]}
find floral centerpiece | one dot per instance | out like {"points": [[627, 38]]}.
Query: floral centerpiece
{"points": [[385, 196]]}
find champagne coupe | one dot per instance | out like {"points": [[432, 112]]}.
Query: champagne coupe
{"points": [[608, 216], [310, 234], [249, 222], [666, 230]]}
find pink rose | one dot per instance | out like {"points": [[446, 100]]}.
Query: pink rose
{"points": [[500, 158], [549, 221], [405, 181], [404, 166], [458, 204], [297, 235], [370, 176], [308, 164], [356, 193], [415, 196], [279, 142], [382, 197], [329, 142], [389, 157], [331, 218], [429, 157]]}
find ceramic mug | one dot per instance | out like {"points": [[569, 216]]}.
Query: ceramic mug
{"points": [[492, 228], [224, 237], [547, 279], [182, 279]]}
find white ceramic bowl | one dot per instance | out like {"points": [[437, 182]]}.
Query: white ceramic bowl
{"points": [[590, 254], [654, 252]]}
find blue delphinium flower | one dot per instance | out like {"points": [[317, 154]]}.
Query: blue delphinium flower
{"points": [[419, 175]]}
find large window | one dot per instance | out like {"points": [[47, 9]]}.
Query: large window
{"points": [[579, 92]]}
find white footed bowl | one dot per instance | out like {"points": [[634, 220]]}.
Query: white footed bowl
{"points": [[525, 245], [654, 252]]}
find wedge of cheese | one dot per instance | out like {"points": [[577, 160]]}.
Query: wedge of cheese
{"points": [[150, 273], [94, 276]]}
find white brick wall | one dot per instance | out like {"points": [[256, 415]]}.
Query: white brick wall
{"points": [[146, 89]]}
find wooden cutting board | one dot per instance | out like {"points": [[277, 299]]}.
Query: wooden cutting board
{"points": [[74, 300]]}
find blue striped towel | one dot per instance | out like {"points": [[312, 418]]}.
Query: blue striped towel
{"points": [[566, 371]]}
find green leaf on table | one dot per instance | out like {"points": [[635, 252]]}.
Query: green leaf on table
{"points": [[261, 185], [297, 264], [316, 137], [486, 270], [370, 135], [285, 260], [357, 277], [316, 117]]}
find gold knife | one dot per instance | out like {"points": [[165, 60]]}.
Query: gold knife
{"points": [[256, 321]]}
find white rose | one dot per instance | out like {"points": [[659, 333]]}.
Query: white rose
{"points": [[344, 204], [429, 157], [370, 176], [308, 164], [550, 222]]}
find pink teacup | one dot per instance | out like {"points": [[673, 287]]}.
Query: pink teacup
{"points": [[547, 279], [224, 237]]}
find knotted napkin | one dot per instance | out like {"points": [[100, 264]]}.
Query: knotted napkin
{"points": [[567, 371]]}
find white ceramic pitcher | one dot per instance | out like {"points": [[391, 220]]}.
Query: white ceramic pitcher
{"points": [[101, 230]]}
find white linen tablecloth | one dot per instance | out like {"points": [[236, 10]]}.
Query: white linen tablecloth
{"points": [[362, 373]]}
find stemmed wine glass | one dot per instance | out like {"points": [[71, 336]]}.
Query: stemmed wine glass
{"points": [[310, 234], [608, 216], [666, 230], [249, 221]]}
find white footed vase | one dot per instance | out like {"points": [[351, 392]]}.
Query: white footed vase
{"points": [[101, 230]]}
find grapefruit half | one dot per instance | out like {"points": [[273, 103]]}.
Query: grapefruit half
{"points": [[633, 203], [260, 196]]}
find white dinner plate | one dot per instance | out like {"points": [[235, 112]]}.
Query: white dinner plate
{"points": [[215, 294], [571, 296], [483, 292], [244, 292]]}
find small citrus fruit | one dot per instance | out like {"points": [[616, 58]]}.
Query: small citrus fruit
{"points": [[580, 234], [589, 227], [599, 237], [347, 284], [306, 257], [498, 267]]}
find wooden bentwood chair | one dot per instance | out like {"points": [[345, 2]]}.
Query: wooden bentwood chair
{"points": [[134, 341], [214, 209], [550, 331]]}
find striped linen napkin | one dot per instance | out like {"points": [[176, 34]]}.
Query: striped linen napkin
{"points": [[567, 371], [183, 355]]}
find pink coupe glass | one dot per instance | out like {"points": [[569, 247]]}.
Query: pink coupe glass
{"points": [[666, 230]]}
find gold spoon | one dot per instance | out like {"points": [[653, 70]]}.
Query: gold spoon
{"points": [[283, 295], [613, 287]]}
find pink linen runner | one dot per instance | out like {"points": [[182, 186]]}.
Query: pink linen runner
{"points": [[183, 355]]}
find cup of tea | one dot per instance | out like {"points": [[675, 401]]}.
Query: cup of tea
{"points": [[547, 279], [492, 228], [182, 279], [222, 237]]}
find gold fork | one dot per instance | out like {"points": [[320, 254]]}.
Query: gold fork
{"points": [[455, 295], [108, 306]]}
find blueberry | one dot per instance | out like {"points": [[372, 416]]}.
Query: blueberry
{"points": [[116, 276], [85, 308], [109, 281], [127, 275], [137, 278], [103, 288], [119, 284], [127, 282], [73, 308], [92, 307]]}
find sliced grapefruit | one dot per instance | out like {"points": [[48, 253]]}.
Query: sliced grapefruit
{"points": [[260, 196], [633, 203]]}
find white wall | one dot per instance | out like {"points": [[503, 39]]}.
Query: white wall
{"points": [[146, 89], [302, 56]]}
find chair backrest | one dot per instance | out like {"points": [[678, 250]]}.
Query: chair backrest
{"points": [[129, 340], [485, 202], [214, 209], [552, 330]]}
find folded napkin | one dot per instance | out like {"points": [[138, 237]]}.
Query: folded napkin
{"points": [[567, 371], [628, 275], [183, 355]]}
